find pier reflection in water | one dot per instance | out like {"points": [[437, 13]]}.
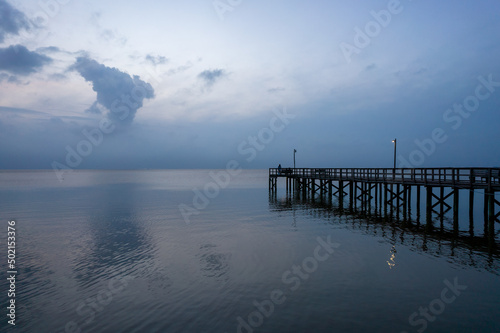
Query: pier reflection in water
{"points": [[462, 248]]}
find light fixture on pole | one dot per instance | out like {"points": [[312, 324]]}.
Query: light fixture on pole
{"points": [[395, 144]]}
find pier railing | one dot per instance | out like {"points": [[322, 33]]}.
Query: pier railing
{"points": [[454, 177]]}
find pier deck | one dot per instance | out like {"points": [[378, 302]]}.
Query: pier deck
{"points": [[465, 178]]}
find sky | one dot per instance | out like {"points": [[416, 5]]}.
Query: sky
{"points": [[197, 84]]}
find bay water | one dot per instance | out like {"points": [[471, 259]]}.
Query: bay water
{"points": [[177, 251]]}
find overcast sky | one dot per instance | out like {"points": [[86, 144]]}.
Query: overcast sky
{"points": [[195, 84]]}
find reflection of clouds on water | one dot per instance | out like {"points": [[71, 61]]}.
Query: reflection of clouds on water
{"points": [[117, 238], [214, 264], [35, 287]]}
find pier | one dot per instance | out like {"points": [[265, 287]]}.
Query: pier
{"points": [[388, 191]]}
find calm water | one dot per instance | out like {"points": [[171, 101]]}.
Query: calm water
{"points": [[110, 251]]}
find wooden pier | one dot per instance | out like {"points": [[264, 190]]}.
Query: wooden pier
{"points": [[389, 191]]}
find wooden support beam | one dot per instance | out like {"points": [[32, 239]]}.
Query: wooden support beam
{"points": [[491, 213], [441, 202], [355, 195], [486, 219], [391, 191], [329, 192], [441, 207], [341, 194], [409, 201], [418, 203], [471, 212], [405, 202], [428, 206], [351, 195], [455, 209], [497, 215], [385, 199], [398, 201], [370, 197]]}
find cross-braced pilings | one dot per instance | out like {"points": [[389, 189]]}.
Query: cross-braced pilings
{"points": [[388, 192]]}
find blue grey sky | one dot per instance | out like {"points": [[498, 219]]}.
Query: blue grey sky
{"points": [[195, 84]]}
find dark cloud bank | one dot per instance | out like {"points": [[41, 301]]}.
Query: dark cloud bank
{"points": [[17, 59], [12, 21]]}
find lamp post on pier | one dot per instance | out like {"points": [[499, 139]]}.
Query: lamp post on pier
{"points": [[294, 151], [395, 144]]}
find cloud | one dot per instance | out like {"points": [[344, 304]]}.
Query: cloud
{"points": [[12, 20], [49, 49], [156, 60], [275, 90], [119, 93], [8, 78], [180, 69], [12, 112], [113, 36], [57, 77], [107, 35], [17, 59], [95, 108], [370, 67], [211, 76]]}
